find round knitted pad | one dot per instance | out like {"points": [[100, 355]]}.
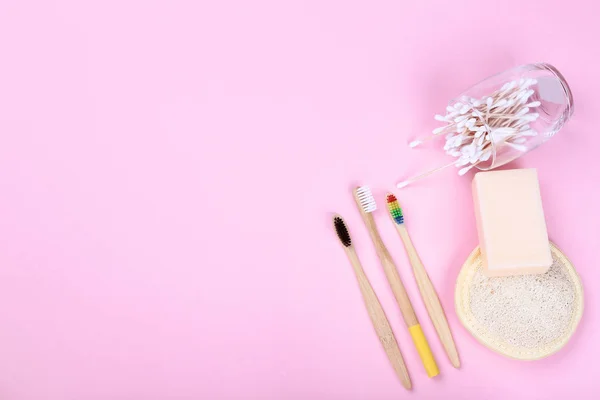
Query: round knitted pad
{"points": [[524, 317]]}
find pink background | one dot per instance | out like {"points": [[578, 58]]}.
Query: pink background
{"points": [[168, 170]]}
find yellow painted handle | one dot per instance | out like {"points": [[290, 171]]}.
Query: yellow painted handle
{"points": [[424, 351]]}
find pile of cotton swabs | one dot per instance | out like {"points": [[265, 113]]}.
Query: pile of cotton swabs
{"points": [[502, 118]]}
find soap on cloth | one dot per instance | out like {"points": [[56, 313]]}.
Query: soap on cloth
{"points": [[510, 223]]}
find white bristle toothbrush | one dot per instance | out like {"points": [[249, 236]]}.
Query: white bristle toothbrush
{"points": [[366, 205], [428, 293], [376, 313]]}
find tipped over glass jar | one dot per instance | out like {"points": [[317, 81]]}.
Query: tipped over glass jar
{"points": [[501, 118]]}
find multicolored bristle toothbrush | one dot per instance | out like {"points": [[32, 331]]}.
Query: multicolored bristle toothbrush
{"points": [[428, 293], [366, 205], [376, 313], [394, 209]]}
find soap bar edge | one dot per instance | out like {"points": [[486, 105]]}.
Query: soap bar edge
{"points": [[478, 222]]}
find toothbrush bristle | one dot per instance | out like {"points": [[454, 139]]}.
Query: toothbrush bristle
{"points": [[366, 199], [342, 231], [394, 208]]}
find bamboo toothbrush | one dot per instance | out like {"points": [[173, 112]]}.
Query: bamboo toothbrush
{"points": [[428, 294], [366, 205], [380, 322]]}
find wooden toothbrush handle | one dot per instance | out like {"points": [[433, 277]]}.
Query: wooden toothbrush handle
{"points": [[410, 318], [391, 272], [430, 298], [380, 321]]}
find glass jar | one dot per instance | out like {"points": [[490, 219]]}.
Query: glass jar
{"points": [[502, 118]]}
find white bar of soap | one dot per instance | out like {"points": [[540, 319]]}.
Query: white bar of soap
{"points": [[510, 223]]}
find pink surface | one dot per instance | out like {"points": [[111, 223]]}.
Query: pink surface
{"points": [[167, 170]]}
